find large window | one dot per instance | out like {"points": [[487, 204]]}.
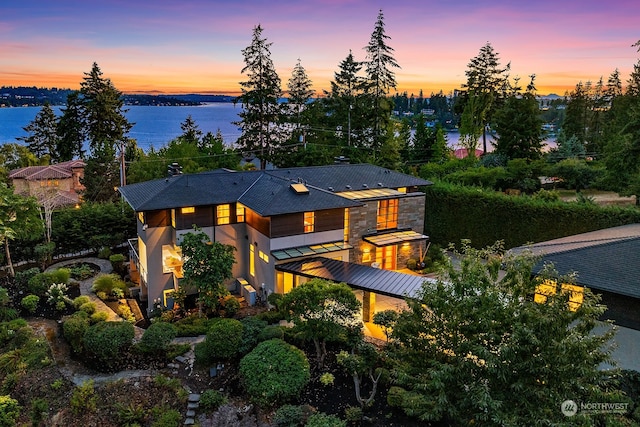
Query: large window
{"points": [[387, 214], [223, 214], [240, 213], [309, 222]]}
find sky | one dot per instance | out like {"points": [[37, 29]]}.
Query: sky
{"points": [[195, 46]]}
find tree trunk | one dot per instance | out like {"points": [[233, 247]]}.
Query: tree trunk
{"points": [[8, 254]]}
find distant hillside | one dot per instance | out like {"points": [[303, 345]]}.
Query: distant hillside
{"points": [[22, 96]]}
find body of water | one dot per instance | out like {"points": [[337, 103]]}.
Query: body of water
{"points": [[156, 126]]}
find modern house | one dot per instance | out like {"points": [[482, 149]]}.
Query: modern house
{"points": [[60, 182], [606, 261], [356, 223]]}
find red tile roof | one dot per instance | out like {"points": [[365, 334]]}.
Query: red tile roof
{"points": [[55, 171]]}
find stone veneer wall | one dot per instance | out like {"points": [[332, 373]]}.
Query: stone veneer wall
{"points": [[362, 220]]}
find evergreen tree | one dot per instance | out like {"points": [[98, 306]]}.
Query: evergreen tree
{"points": [[106, 129], [71, 129], [42, 139], [191, 133], [380, 79], [260, 116], [423, 140], [486, 82], [300, 92]]}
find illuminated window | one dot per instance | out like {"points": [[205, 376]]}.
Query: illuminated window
{"points": [[309, 222], [252, 260], [173, 218], [264, 257], [141, 217], [549, 287], [387, 214], [188, 210], [402, 190], [239, 212], [346, 224], [223, 214]]}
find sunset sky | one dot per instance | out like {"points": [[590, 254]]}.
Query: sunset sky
{"points": [[194, 46]]}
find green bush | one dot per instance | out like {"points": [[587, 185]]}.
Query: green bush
{"points": [[107, 283], [251, 329], [82, 272], [74, 329], [211, 400], [9, 411], [167, 418], [117, 258], [39, 283], [230, 305], [104, 252], [131, 414], [105, 342], [99, 316], [30, 303], [125, 312], [274, 372], [89, 307], [192, 326], [60, 275], [323, 420], [270, 332], [79, 301], [271, 316], [157, 337], [353, 414], [292, 415], [222, 342], [84, 398], [39, 408], [395, 396], [22, 277]]}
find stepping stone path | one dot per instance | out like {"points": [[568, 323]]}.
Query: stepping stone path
{"points": [[193, 403]]}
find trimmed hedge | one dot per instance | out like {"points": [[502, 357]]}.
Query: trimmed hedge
{"points": [[454, 212]]}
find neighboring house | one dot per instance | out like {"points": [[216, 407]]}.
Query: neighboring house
{"points": [[606, 261], [287, 225], [60, 183]]}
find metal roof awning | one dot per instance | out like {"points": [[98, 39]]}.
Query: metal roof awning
{"points": [[300, 251], [383, 282], [394, 237]]}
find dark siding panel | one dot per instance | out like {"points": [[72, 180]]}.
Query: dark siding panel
{"points": [[287, 225], [258, 222], [202, 217], [331, 219], [158, 218]]}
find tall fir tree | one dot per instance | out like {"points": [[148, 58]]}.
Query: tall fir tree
{"points": [[486, 82], [71, 129], [107, 129], [42, 138], [260, 117], [380, 79]]}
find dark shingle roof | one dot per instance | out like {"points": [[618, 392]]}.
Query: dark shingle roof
{"points": [[611, 266], [258, 190], [356, 176]]}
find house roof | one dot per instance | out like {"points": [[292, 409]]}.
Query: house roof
{"points": [[606, 260], [266, 192], [55, 171], [384, 282]]}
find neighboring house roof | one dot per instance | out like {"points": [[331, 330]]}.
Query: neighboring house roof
{"points": [[606, 260], [267, 192], [55, 171]]}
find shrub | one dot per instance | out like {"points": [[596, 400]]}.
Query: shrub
{"points": [[271, 316], [157, 337], [327, 379], [88, 307], [270, 332], [9, 411], [30, 303], [124, 311], [56, 295], [292, 415], [107, 283], [106, 341], [38, 409], [84, 398], [39, 283], [61, 275], [167, 418], [131, 414], [22, 277], [222, 342], [104, 252], [323, 420], [395, 396], [353, 414], [230, 305], [281, 379], [79, 301], [251, 329], [192, 326], [82, 272], [99, 316], [74, 329], [211, 400]]}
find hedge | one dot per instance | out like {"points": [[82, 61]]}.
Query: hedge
{"points": [[454, 212]]}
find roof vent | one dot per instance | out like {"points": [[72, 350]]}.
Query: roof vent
{"points": [[365, 186], [330, 188], [380, 184], [348, 187]]}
